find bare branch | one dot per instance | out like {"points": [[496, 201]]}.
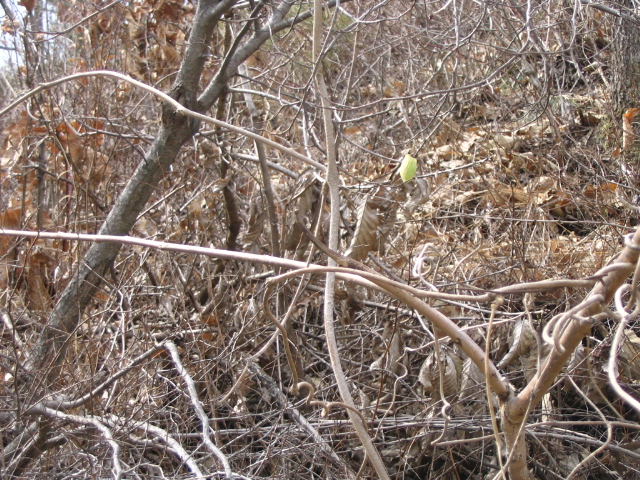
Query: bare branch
{"points": [[197, 405]]}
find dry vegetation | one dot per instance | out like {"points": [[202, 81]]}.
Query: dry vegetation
{"points": [[523, 176]]}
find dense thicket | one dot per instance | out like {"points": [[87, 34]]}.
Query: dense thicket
{"points": [[138, 362]]}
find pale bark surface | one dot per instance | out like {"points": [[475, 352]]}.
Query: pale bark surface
{"points": [[210, 265]]}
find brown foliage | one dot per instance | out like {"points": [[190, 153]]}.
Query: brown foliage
{"points": [[522, 178]]}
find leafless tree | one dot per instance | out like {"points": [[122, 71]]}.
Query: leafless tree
{"points": [[245, 145]]}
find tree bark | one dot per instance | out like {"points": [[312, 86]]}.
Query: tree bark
{"points": [[515, 411], [175, 131]]}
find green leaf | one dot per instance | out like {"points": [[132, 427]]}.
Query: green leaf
{"points": [[408, 168]]}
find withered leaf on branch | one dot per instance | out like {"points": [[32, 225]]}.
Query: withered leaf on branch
{"points": [[256, 222], [473, 389], [306, 205], [522, 340], [429, 375], [628, 134], [376, 217], [393, 350]]}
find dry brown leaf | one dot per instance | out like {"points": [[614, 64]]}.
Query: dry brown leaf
{"points": [[628, 135], [302, 209], [38, 296], [376, 217], [256, 223], [89, 164], [508, 143], [450, 132], [429, 375], [521, 341], [28, 4], [393, 350], [473, 390], [366, 234]]}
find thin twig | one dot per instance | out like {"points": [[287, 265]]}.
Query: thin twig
{"points": [[87, 420], [197, 405], [177, 106], [333, 182]]}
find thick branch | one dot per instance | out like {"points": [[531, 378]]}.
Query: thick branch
{"points": [[574, 330], [174, 132]]}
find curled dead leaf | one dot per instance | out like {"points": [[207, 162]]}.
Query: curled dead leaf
{"points": [[429, 376]]}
